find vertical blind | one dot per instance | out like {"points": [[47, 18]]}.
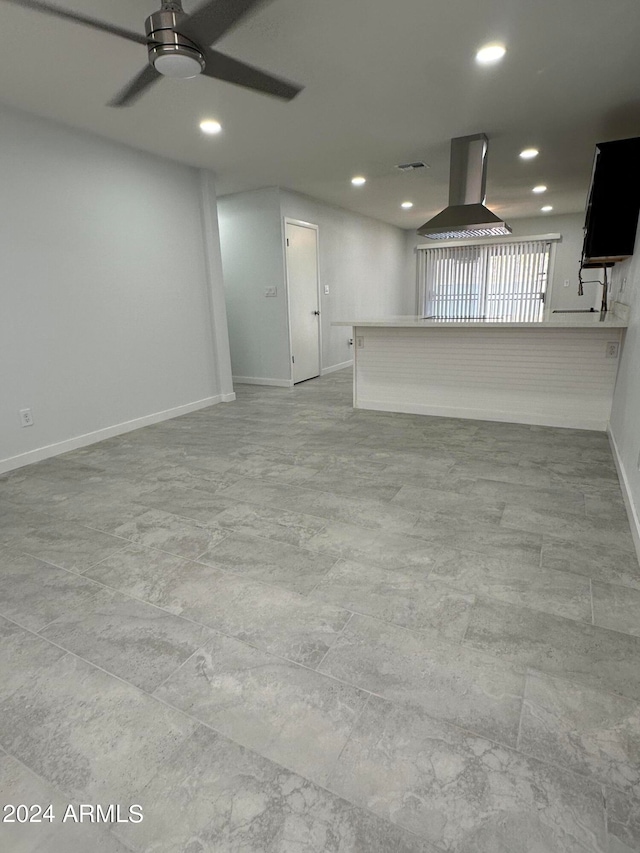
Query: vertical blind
{"points": [[497, 281]]}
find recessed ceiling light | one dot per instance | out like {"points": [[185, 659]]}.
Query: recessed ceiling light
{"points": [[546, 208], [210, 126], [358, 181], [529, 153], [539, 189], [406, 204], [490, 53]]}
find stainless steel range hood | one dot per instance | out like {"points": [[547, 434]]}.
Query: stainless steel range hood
{"points": [[466, 215]]}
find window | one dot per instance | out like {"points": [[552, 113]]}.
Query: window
{"points": [[496, 280]]}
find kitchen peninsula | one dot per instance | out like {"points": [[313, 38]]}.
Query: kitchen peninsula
{"points": [[559, 371]]}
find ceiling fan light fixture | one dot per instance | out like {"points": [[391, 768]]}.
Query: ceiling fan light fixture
{"points": [[178, 62], [171, 53], [179, 45]]}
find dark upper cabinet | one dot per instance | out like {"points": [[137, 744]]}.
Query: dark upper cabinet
{"points": [[613, 203]]}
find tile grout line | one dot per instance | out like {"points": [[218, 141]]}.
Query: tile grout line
{"points": [[130, 543], [368, 693], [326, 521], [216, 567], [306, 596], [396, 626], [64, 568], [521, 715], [347, 740], [322, 786], [184, 619], [605, 812], [340, 634], [62, 795], [151, 694], [535, 672]]}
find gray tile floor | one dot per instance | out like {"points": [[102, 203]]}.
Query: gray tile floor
{"points": [[282, 625]]}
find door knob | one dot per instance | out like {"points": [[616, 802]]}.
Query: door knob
{"points": [[317, 313]]}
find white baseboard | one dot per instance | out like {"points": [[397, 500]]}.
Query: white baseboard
{"points": [[227, 398], [483, 414], [59, 447], [334, 367], [285, 383], [260, 380], [632, 510]]}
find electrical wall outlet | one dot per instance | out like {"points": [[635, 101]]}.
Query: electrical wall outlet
{"points": [[612, 349], [271, 291], [26, 417], [360, 342], [567, 282]]}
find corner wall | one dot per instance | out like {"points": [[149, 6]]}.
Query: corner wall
{"points": [[252, 261], [625, 416], [362, 261], [107, 290]]}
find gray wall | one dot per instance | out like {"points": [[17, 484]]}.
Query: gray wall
{"points": [[362, 261], [568, 253], [105, 304], [625, 416], [253, 260]]}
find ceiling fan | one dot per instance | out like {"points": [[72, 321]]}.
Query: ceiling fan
{"points": [[178, 46]]}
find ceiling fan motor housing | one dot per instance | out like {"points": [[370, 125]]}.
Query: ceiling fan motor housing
{"points": [[169, 52]]}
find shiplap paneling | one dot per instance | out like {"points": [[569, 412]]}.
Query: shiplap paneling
{"points": [[549, 377]]}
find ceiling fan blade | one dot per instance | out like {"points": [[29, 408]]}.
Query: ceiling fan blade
{"points": [[136, 87], [56, 11], [209, 23], [222, 67]]}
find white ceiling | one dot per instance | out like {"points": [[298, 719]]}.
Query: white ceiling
{"points": [[386, 82]]}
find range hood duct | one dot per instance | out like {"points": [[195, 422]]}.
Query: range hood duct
{"points": [[466, 215]]}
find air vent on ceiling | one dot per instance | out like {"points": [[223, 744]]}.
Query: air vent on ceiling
{"points": [[411, 167]]}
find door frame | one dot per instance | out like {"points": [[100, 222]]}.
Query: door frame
{"points": [[287, 220]]}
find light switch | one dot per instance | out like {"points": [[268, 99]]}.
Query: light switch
{"points": [[326, 290]]}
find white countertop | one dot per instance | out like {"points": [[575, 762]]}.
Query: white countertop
{"points": [[556, 321]]}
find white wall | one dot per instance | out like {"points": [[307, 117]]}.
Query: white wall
{"points": [[568, 253], [253, 260], [362, 261], [105, 303], [567, 261], [625, 415]]}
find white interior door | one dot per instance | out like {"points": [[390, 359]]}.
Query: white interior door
{"points": [[304, 309]]}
